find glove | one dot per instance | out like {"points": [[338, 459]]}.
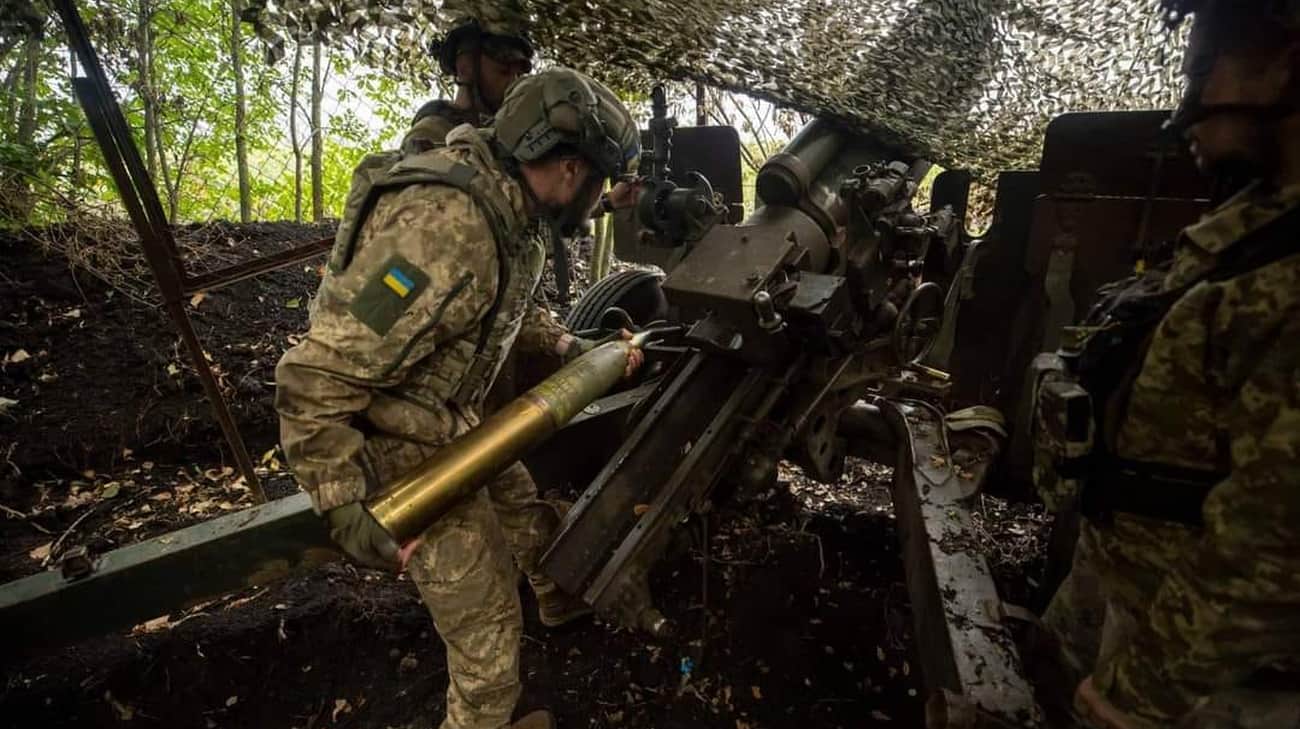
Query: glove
{"points": [[577, 347], [361, 537]]}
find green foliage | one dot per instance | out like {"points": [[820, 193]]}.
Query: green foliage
{"points": [[191, 83]]}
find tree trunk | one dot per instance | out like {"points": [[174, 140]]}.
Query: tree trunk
{"points": [[144, 68], [174, 190], [165, 179], [241, 142], [9, 89], [27, 114], [77, 176], [317, 137], [16, 189], [293, 133]]}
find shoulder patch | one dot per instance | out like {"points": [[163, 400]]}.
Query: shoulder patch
{"points": [[388, 293]]}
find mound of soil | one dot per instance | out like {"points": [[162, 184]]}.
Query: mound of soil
{"points": [[95, 373]]}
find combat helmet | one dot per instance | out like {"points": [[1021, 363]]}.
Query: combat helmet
{"points": [[1220, 26], [561, 107], [499, 31]]}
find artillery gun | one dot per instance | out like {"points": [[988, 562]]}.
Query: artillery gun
{"points": [[834, 321]]}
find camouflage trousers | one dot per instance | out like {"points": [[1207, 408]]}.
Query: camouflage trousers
{"points": [[463, 572], [1088, 627], [528, 522]]}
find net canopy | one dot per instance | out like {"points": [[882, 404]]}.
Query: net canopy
{"points": [[967, 83]]}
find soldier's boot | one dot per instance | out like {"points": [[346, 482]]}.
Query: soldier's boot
{"points": [[555, 607], [540, 719]]}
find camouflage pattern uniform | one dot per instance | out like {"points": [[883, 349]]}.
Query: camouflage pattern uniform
{"points": [[368, 394], [434, 121], [1174, 624], [529, 522]]}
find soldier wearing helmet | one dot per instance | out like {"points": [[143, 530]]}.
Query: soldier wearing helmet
{"points": [[484, 52], [1182, 608], [429, 284]]}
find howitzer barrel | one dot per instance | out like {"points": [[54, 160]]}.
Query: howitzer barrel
{"points": [[788, 176], [409, 505]]}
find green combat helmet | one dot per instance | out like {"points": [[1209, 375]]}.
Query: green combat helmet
{"points": [[563, 109]]}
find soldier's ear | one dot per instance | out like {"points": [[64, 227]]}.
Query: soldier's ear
{"points": [[575, 171]]}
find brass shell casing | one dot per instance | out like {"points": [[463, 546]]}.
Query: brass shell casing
{"points": [[413, 502]]}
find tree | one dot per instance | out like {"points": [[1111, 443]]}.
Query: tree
{"points": [[293, 133], [241, 141], [317, 136], [144, 83]]}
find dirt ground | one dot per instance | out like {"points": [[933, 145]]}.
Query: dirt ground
{"points": [[105, 439]]}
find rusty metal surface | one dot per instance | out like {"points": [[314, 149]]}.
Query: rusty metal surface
{"points": [[964, 647], [140, 198]]}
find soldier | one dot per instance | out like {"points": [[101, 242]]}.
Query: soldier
{"points": [[1182, 607], [485, 51], [484, 54], [430, 282]]}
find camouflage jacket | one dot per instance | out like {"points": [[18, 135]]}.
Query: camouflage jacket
{"points": [[433, 122], [1220, 384], [366, 395]]}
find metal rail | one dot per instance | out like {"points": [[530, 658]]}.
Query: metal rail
{"points": [[256, 267]]}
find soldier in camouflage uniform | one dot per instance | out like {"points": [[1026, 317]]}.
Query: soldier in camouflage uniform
{"points": [[484, 53], [1182, 607], [430, 282]]}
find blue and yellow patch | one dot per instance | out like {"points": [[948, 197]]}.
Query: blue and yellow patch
{"points": [[399, 282], [387, 295]]}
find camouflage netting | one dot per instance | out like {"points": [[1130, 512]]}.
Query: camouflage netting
{"points": [[968, 83]]}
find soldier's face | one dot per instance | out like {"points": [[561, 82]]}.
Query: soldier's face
{"points": [[565, 187], [492, 76], [496, 78], [578, 191], [1242, 83]]}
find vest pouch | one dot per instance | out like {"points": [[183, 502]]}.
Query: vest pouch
{"points": [[1064, 433]]}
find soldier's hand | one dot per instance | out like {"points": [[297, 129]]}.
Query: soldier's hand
{"points": [[635, 356], [570, 347], [361, 537], [1097, 711], [623, 194]]}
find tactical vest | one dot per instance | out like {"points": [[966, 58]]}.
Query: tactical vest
{"points": [[1082, 393], [461, 371]]}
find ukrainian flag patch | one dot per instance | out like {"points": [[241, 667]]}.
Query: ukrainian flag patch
{"points": [[389, 292], [399, 282]]}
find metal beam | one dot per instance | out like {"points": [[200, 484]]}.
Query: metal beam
{"points": [[256, 267], [163, 575], [968, 657]]}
